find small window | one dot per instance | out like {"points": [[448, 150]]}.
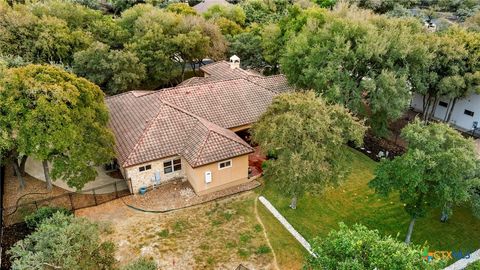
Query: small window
{"points": [[144, 168], [467, 112], [443, 104], [172, 166], [225, 164]]}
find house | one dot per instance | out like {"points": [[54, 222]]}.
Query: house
{"points": [[189, 131], [464, 115], [205, 5]]}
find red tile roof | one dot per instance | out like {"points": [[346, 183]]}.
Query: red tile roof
{"points": [[191, 121]]}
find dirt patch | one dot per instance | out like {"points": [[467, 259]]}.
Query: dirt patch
{"points": [[215, 235], [179, 194], [34, 189]]}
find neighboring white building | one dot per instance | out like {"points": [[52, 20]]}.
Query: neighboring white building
{"points": [[465, 113]]}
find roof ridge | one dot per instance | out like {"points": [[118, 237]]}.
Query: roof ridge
{"points": [[203, 146], [121, 94], [213, 63], [142, 137], [205, 123], [273, 91]]}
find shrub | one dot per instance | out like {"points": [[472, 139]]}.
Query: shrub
{"points": [[35, 219], [474, 266], [63, 241], [163, 233], [141, 264], [263, 249], [360, 248]]}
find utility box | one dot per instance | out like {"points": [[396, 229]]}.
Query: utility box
{"points": [[208, 177]]}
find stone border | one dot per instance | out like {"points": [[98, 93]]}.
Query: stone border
{"points": [[287, 225], [463, 263]]}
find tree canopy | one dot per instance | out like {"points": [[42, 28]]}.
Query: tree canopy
{"points": [[439, 170], [357, 59], [63, 242], [56, 116], [306, 136], [360, 248], [115, 71]]}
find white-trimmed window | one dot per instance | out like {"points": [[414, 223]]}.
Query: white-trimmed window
{"points": [[172, 166], [145, 168], [225, 164]]}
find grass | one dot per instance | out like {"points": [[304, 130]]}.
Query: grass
{"points": [[217, 235], [290, 254], [354, 202]]}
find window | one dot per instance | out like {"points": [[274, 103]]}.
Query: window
{"points": [[443, 104], [145, 168], [224, 164], [172, 166], [467, 112]]}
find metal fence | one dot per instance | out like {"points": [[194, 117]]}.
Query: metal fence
{"points": [[71, 201]]}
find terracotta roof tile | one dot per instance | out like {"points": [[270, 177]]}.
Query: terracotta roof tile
{"points": [[191, 120]]}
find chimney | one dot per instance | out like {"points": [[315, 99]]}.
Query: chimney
{"points": [[234, 62]]}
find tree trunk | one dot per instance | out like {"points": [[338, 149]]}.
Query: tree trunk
{"points": [[19, 175], [447, 110], [47, 175], [426, 110], [451, 110], [410, 231], [293, 205], [22, 164], [194, 68], [434, 107]]}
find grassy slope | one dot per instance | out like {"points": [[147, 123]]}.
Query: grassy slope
{"points": [[353, 202]]}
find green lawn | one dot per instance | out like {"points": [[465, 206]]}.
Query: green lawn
{"points": [[354, 202], [290, 254]]}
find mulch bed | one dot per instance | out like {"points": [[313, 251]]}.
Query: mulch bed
{"points": [[372, 146], [11, 235]]}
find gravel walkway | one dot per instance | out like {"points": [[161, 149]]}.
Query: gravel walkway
{"points": [[177, 194]]}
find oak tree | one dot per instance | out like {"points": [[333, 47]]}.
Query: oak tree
{"points": [[58, 118], [307, 137], [439, 169]]}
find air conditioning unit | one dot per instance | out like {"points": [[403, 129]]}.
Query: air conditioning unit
{"points": [[208, 177]]}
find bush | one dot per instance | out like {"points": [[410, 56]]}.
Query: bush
{"points": [[141, 264], [63, 242], [35, 219], [263, 249], [474, 266], [360, 248]]}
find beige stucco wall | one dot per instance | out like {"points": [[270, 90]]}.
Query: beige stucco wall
{"points": [[144, 179], [221, 178]]}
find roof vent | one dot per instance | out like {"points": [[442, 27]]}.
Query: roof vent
{"points": [[234, 62]]}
